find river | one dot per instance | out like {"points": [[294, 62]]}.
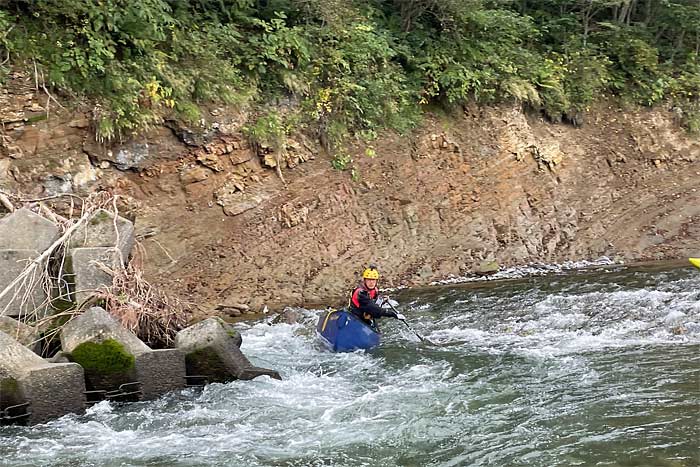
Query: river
{"points": [[590, 368]]}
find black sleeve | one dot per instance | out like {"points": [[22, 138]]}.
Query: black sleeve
{"points": [[367, 305]]}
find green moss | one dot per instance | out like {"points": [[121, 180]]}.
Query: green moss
{"points": [[107, 358], [9, 392], [205, 362], [36, 118], [60, 305], [8, 386], [100, 217]]}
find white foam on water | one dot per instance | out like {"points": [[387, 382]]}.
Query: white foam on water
{"points": [[535, 269], [513, 380]]}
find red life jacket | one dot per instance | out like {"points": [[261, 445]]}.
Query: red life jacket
{"points": [[355, 301]]}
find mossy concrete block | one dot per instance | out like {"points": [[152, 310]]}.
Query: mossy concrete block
{"points": [[107, 364], [103, 230], [25, 230], [113, 355], [96, 325], [212, 349], [52, 389], [26, 335], [24, 298], [86, 270]]}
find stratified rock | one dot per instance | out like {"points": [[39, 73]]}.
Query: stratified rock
{"points": [[137, 153], [24, 298], [112, 355], [212, 349], [236, 202], [25, 230], [52, 389], [194, 174]]}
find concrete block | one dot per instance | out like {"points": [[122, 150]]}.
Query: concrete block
{"points": [[25, 230], [96, 324], [87, 275], [212, 349], [52, 389], [26, 335], [12, 263], [160, 371], [103, 231], [96, 333]]}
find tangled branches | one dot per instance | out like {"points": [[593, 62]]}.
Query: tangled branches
{"points": [[143, 309], [139, 306]]}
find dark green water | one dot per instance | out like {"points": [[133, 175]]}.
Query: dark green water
{"points": [[595, 369]]}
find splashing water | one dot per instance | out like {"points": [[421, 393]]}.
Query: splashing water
{"points": [[573, 369]]}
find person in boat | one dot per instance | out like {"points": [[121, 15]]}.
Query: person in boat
{"points": [[364, 298]]}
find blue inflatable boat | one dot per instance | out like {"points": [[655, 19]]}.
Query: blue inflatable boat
{"points": [[342, 331]]}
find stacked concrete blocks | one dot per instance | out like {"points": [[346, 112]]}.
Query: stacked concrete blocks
{"points": [[112, 356], [104, 241]]}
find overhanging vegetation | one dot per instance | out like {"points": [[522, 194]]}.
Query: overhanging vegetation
{"points": [[354, 67]]}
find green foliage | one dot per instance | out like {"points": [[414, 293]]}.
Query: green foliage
{"points": [[341, 161], [268, 130], [106, 358], [685, 92], [351, 68], [5, 27], [635, 72], [356, 85]]}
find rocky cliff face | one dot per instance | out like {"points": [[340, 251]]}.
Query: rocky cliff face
{"points": [[220, 226]]}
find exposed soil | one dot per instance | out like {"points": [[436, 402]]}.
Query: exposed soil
{"points": [[489, 184]]}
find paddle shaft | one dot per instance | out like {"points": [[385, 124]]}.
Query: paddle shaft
{"points": [[407, 325]]}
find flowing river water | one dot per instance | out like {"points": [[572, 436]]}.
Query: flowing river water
{"points": [[596, 368]]}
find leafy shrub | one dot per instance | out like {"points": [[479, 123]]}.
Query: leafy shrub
{"points": [[350, 68]]}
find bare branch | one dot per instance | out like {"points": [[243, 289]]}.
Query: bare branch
{"points": [[5, 201]]}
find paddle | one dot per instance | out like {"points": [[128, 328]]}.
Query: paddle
{"points": [[695, 262], [422, 339]]}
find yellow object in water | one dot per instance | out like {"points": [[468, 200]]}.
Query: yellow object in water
{"points": [[695, 262]]}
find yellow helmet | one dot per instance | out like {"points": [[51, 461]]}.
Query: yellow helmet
{"points": [[370, 273]]}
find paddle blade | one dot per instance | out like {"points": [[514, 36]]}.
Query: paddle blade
{"points": [[695, 262]]}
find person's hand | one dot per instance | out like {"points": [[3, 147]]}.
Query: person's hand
{"points": [[400, 317]]}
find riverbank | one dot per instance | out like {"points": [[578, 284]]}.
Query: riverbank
{"points": [[485, 185]]}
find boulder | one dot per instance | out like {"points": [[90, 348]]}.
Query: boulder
{"points": [[31, 292], [486, 268], [51, 389], [113, 355], [212, 350], [103, 230], [25, 230]]}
